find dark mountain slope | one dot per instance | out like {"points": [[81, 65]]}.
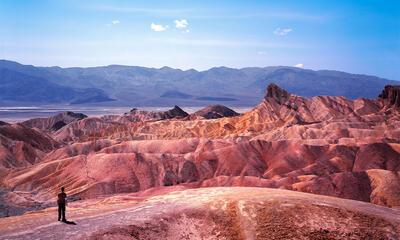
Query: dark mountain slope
{"points": [[19, 87], [141, 86]]}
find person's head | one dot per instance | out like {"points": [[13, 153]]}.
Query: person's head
{"points": [[62, 189]]}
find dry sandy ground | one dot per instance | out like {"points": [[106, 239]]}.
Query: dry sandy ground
{"points": [[211, 213]]}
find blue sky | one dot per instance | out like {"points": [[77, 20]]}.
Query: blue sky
{"points": [[354, 36]]}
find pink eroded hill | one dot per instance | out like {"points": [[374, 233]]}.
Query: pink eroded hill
{"points": [[54, 123], [21, 146], [279, 110], [323, 145]]}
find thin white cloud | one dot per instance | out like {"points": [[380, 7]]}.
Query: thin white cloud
{"points": [[222, 43], [259, 15], [147, 11], [214, 14], [282, 31], [181, 39], [299, 65], [262, 53], [298, 16], [158, 27], [113, 22], [183, 23]]}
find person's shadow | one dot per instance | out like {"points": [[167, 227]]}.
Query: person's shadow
{"points": [[69, 222]]}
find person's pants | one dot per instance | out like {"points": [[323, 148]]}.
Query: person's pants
{"points": [[61, 211]]}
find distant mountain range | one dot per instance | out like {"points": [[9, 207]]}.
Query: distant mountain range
{"points": [[140, 86]]}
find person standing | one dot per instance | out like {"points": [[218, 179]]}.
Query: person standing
{"points": [[61, 201]]}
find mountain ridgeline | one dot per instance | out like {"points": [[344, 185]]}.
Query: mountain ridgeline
{"points": [[140, 86]]}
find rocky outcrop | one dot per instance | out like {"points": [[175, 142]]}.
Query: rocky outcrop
{"points": [[175, 112], [54, 123], [214, 112], [3, 123], [278, 94], [137, 115], [391, 96]]}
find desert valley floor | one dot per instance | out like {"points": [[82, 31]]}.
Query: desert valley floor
{"points": [[290, 168]]}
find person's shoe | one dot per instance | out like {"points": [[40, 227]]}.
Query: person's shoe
{"points": [[59, 219], [64, 220]]}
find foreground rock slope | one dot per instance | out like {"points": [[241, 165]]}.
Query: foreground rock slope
{"points": [[212, 213], [323, 145]]}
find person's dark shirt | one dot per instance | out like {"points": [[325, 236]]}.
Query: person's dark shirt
{"points": [[61, 198]]}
